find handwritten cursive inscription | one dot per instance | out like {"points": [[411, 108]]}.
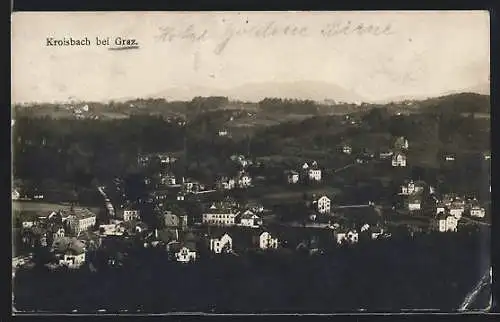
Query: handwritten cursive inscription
{"points": [[271, 29], [349, 28], [189, 33]]}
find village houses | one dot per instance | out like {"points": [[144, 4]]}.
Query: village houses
{"points": [[226, 183], [70, 252], [241, 160], [267, 241], [446, 222], [314, 172], [455, 205], [175, 221], [113, 229], [244, 180], [449, 157], [292, 176], [249, 219], [16, 195], [323, 205], [222, 243], [191, 186], [186, 253], [385, 154], [128, 214], [414, 203], [477, 211], [81, 219], [401, 143], [168, 179], [398, 160], [346, 236], [347, 149], [219, 216], [410, 187]]}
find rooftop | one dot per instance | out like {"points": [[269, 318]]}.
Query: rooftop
{"points": [[79, 213]]}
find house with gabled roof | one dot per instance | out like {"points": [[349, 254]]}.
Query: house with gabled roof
{"points": [[398, 160], [292, 176], [218, 215], [401, 143], [314, 172], [322, 204], [268, 241], [185, 251], [221, 243], [446, 222], [248, 218], [410, 187]]}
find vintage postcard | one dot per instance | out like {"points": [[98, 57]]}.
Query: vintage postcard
{"points": [[251, 162]]}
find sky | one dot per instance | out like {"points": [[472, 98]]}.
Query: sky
{"points": [[377, 55]]}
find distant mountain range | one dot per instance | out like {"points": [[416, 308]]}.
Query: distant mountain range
{"points": [[483, 89], [317, 91], [312, 90]]}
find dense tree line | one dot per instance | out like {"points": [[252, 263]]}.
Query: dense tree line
{"points": [[431, 271], [295, 106]]}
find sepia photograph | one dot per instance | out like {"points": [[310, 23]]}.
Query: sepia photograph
{"points": [[334, 162]]}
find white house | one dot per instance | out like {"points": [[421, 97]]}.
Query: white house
{"points": [[227, 183], [180, 196], [414, 204], [440, 208], [401, 143], [346, 149], [112, 229], [249, 219], [292, 177], [73, 258], [305, 166], [399, 160], [457, 210], [447, 223], [58, 233], [38, 196], [477, 211], [323, 205], [217, 216], [411, 187], [314, 174], [81, 219], [168, 179], [223, 133], [385, 154], [130, 214], [186, 254], [350, 236], [222, 244], [15, 194], [266, 241], [244, 180], [70, 252], [449, 158], [377, 232], [28, 224]]}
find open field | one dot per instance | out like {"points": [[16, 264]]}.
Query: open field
{"points": [[30, 208], [293, 196], [36, 206]]}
